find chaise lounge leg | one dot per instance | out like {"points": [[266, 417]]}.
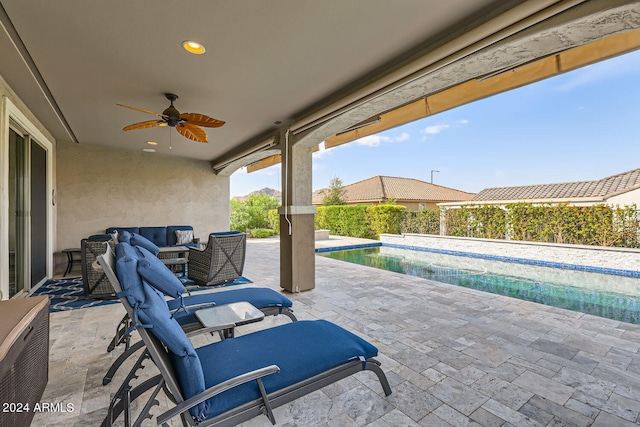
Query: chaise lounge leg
{"points": [[121, 333], [120, 360], [374, 366]]}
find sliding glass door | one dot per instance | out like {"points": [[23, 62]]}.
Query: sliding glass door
{"points": [[16, 214], [27, 212]]}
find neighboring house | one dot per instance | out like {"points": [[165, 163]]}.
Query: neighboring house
{"points": [[620, 189], [409, 192]]}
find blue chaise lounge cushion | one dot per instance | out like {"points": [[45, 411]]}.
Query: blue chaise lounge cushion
{"points": [[150, 310], [134, 239], [258, 297], [301, 349], [156, 273]]}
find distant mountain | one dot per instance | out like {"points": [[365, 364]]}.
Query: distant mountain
{"points": [[268, 191]]}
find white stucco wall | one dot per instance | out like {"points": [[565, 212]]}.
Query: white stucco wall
{"points": [[100, 187], [628, 198]]}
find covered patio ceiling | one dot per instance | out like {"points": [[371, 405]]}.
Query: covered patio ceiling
{"points": [[266, 61], [268, 65]]}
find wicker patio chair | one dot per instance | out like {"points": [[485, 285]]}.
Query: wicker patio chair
{"points": [[95, 283], [221, 261]]}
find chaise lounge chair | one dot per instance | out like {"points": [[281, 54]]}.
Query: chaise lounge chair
{"points": [[231, 381], [270, 302]]}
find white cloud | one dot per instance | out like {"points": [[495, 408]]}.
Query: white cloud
{"points": [[373, 140], [463, 121], [404, 136], [435, 129]]}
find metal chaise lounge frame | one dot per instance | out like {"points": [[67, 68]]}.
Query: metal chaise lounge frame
{"points": [[169, 381], [270, 302]]}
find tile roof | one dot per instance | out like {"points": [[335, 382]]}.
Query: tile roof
{"points": [[380, 188], [604, 188]]}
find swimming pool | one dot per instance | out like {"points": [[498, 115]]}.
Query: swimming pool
{"points": [[604, 295]]}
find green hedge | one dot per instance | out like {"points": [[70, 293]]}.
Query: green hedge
{"points": [[261, 233], [361, 220], [599, 225], [426, 221]]}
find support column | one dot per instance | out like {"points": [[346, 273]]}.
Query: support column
{"points": [[297, 229]]}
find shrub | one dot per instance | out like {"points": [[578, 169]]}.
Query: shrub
{"points": [[252, 213], [385, 219], [426, 221], [261, 233], [274, 220]]}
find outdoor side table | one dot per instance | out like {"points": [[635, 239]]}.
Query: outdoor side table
{"points": [[174, 257], [70, 259], [235, 314]]}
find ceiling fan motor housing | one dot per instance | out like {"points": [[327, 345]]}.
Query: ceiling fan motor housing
{"points": [[173, 116]]}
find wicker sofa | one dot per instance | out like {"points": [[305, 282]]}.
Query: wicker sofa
{"points": [[95, 283]]}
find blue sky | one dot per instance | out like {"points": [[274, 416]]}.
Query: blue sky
{"points": [[581, 125]]}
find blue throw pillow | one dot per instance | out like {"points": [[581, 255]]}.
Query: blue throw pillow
{"points": [[154, 272], [138, 240]]}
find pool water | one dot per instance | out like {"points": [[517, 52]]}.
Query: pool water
{"points": [[603, 295]]}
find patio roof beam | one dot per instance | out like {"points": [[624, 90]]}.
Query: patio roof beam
{"points": [[498, 82]]}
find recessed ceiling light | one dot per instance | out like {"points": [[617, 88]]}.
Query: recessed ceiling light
{"points": [[149, 150], [193, 47], [152, 143]]}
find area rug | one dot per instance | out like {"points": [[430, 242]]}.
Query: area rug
{"points": [[68, 293]]}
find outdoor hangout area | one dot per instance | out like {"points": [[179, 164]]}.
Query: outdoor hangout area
{"points": [[452, 356], [137, 286]]}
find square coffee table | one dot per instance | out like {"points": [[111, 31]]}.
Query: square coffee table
{"points": [[236, 314]]}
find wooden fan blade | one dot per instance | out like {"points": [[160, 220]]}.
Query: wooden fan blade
{"points": [[141, 110], [143, 125], [192, 132], [201, 120]]}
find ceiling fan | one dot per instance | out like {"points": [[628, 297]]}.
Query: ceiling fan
{"points": [[187, 124]]}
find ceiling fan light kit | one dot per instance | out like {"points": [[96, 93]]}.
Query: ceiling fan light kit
{"points": [[187, 124]]}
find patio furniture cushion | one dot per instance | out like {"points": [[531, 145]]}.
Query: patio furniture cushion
{"points": [[291, 346], [172, 239], [258, 297], [139, 240], [111, 230], [157, 235], [156, 274], [151, 311], [126, 271]]}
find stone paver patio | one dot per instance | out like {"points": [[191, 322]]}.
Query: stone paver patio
{"points": [[453, 356]]}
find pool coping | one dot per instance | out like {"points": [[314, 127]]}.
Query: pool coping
{"points": [[539, 263]]}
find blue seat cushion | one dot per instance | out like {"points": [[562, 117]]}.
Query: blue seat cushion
{"points": [[301, 349], [156, 273], [258, 297], [171, 233], [225, 233], [157, 235], [100, 237]]}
